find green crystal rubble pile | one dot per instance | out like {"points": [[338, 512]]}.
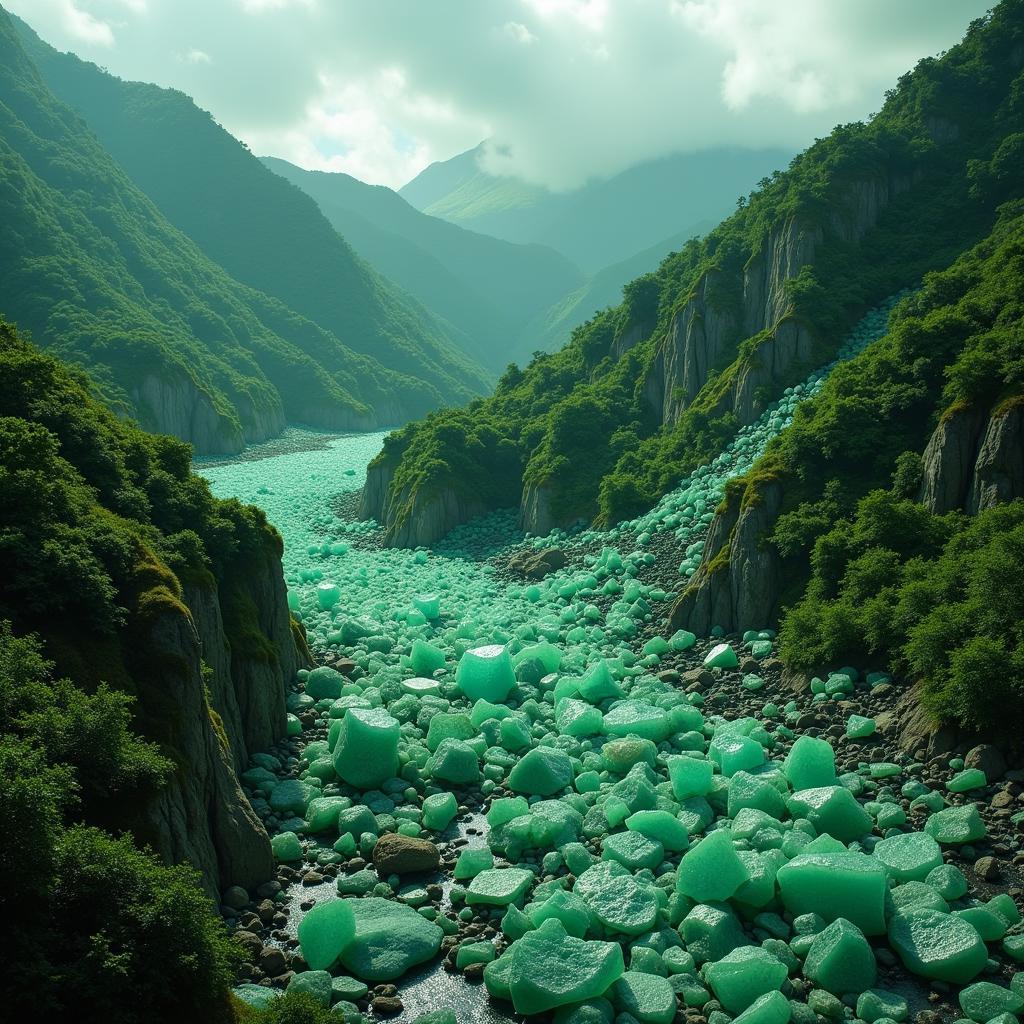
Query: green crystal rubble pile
{"points": [[641, 855]]}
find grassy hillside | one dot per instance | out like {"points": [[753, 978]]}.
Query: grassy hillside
{"points": [[490, 289], [582, 417], [99, 275]]}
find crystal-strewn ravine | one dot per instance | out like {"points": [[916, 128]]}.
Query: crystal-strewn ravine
{"points": [[652, 845]]}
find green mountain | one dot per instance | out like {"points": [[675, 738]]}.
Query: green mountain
{"points": [[105, 274], [488, 288], [645, 392], [601, 223], [145, 646]]}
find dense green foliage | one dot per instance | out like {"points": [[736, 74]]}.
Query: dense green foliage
{"points": [[99, 522], [935, 596], [946, 169], [93, 926], [103, 278]]}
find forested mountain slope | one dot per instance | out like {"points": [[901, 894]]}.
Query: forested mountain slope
{"points": [[145, 645], [490, 289], [902, 481], [644, 392], [93, 269]]}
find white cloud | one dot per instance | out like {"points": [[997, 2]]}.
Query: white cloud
{"points": [[195, 56], [519, 32], [566, 89]]}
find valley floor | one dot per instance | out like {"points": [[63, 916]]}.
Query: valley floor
{"points": [[367, 611]]}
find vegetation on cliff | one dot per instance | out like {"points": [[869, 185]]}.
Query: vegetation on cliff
{"points": [[944, 170], [934, 595], [99, 522]]}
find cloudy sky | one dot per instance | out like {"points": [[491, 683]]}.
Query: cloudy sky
{"points": [[565, 89]]}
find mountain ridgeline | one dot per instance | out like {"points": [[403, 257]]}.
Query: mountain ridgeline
{"points": [[490, 289], [204, 295], [646, 391]]}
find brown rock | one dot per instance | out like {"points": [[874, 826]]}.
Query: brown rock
{"points": [[387, 1006], [400, 855], [271, 962], [987, 868], [988, 759], [250, 943]]}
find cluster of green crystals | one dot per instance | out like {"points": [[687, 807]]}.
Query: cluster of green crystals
{"points": [[641, 853]]}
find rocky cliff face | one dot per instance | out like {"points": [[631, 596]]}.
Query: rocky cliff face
{"points": [[535, 515], [727, 308], [736, 586], [374, 497], [216, 719], [172, 404], [201, 815], [429, 518], [974, 460]]}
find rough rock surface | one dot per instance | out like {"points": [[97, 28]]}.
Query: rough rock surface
{"points": [[400, 855], [535, 565], [736, 586]]}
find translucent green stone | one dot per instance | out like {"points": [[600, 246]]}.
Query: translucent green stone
{"points": [[970, 778], [936, 945], [486, 672], [474, 953], [567, 907], [711, 931], [286, 846], [711, 870], [840, 959], [771, 1008], [390, 938], [879, 1004], [324, 682], [909, 857], [499, 886], [811, 763], [322, 813], [438, 811], [366, 754], [445, 726], [833, 810], [542, 772], [633, 850], [635, 718], [721, 656], [324, 933], [578, 718], [858, 727], [472, 862], [419, 686], [454, 761], [690, 776], [550, 968], [743, 976], [647, 998], [956, 825], [848, 885], [662, 826], [984, 1001], [316, 984], [618, 901], [425, 659]]}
